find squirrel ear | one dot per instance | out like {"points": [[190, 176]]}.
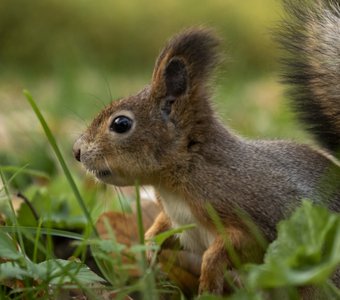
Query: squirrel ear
{"points": [[186, 62], [176, 77]]}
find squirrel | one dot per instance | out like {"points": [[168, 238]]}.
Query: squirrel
{"points": [[168, 136]]}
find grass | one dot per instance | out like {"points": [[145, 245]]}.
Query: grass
{"points": [[61, 160]]}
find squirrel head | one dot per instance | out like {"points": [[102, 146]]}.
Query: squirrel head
{"points": [[161, 127]]}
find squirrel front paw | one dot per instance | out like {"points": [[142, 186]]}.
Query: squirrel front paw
{"points": [[218, 284], [210, 284]]}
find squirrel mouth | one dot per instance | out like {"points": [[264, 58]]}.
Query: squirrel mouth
{"points": [[102, 173]]}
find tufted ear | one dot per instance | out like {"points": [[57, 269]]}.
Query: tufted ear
{"points": [[176, 77], [184, 65]]}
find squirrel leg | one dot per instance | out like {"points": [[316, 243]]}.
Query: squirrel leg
{"points": [[214, 263], [216, 260]]}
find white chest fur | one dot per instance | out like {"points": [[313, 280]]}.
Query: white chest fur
{"points": [[197, 239]]}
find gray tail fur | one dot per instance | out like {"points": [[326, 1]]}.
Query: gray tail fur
{"points": [[310, 35]]}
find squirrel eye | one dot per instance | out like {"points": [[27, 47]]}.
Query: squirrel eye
{"points": [[121, 124]]}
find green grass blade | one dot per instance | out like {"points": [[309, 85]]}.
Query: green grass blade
{"points": [[140, 225], [36, 241], [42, 230], [148, 286], [161, 237], [139, 216], [12, 216], [31, 172], [60, 158]]}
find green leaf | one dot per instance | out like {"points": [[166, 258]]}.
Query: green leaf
{"points": [[108, 246], [11, 270], [54, 271], [307, 250], [59, 271], [160, 238], [8, 249], [55, 208], [138, 248]]}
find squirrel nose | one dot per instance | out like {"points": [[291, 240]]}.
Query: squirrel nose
{"points": [[77, 149], [76, 154]]}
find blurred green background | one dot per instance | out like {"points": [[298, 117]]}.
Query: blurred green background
{"points": [[75, 56]]}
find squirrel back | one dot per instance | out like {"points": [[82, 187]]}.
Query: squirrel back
{"points": [[311, 34]]}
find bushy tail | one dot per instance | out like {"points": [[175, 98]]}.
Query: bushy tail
{"points": [[311, 35]]}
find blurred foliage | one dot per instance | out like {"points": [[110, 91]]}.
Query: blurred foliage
{"points": [[43, 35], [296, 259]]}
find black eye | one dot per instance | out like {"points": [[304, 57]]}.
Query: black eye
{"points": [[121, 124]]}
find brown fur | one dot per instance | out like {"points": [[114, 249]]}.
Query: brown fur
{"points": [[179, 146]]}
